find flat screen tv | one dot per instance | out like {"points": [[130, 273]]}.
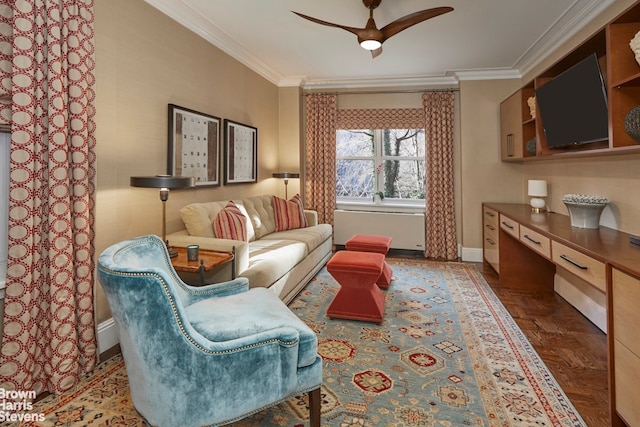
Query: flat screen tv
{"points": [[573, 106]]}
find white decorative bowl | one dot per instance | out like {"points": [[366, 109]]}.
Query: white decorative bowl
{"points": [[585, 215]]}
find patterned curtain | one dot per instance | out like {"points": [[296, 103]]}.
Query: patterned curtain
{"points": [[391, 118], [440, 219], [6, 15], [320, 156], [49, 338]]}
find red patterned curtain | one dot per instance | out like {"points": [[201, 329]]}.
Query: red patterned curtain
{"points": [[392, 118], [49, 336], [440, 218], [320, 156]]}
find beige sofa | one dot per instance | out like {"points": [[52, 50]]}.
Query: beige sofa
{"points": [[283, 261]]}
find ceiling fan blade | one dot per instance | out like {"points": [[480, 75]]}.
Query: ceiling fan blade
{"points": [[352, 30], [376, 52], [407, 21]]}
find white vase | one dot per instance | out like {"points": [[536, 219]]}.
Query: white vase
{"points": [[585, 215]]}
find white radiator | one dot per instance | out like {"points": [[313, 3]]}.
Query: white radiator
{"points": [[405, 229]]}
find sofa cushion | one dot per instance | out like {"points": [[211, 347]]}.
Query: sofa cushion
{"points": [[230, 223], [197, 217], [260, 214], [289, 214], [312, 236], [270, 259], [230, 320]]}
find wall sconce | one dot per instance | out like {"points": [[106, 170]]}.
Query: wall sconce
{"points": [[537, 189], [164, 183], [286, 176]]}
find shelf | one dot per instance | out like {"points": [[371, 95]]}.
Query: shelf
{"points": [[631, 81], [621, 151]]}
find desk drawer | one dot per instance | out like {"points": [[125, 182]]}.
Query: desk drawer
{"points": [[491, 248], [510, 226], [491, 242], [536, 241], [489, 216], [581, 265]]}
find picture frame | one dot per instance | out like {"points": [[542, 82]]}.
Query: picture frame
{"points": [[241, 153], [194, 146]]}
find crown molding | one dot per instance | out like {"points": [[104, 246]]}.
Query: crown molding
{"points": [[490, 74], [574, 20], [356, 83]]}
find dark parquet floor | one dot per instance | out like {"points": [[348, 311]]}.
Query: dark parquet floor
{"points": [[573, 348]]}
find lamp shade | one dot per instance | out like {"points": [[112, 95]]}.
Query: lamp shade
{"points": [[286, 175], [537, 188], [370, 44], [162, 181]]}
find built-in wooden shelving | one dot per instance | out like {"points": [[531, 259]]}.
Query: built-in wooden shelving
{"points": [[622, 75]]}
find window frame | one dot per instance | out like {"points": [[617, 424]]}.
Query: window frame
{"points": [[378, 158]]}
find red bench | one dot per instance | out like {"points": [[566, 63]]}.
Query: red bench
{"points": [[375, 244], [359, 298]]}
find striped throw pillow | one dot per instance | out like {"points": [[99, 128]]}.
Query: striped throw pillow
{"points": [[289, 214], [230, 223]]}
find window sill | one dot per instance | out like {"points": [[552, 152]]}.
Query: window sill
{"points": [[381, 207]]}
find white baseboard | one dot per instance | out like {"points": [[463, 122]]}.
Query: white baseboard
{"points": [[107, 335], [472, 254]]}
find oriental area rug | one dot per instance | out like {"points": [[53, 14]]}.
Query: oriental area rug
{"points": [[447, 354]]}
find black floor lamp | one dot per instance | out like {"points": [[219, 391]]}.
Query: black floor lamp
{"points": [[164, 183], [286, 176]]}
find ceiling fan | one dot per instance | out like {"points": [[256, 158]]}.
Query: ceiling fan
{"points": [[370, 37]]}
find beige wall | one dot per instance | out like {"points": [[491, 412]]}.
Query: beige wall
{"points": [[290, 150], [485, 178], [144, 61]]}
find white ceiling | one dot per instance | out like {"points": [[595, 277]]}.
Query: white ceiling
{"points": [[480, 39]]}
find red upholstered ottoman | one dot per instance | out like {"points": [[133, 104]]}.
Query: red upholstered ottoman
{"points": [[359, 298], [376, 244]]}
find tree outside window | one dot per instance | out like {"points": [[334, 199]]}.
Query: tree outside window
{"points": [[391, 161]]}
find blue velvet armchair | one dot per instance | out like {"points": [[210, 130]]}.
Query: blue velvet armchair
{"points": [[206, 355]]}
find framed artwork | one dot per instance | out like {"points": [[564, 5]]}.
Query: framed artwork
{"points": [[194, 146], [241, 153]]}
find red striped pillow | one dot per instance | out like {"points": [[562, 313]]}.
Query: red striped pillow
{"points": [[230, 223], [289, 214]]}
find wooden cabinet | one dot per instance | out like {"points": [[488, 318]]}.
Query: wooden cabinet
{"points": [[511, 140], [491, 248], [622, 74], [626, 348], [517, 126]]}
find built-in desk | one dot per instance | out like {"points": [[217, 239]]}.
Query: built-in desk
{"points": [[525, 248]]}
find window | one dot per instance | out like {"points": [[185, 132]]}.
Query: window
{"points": [[391, 161]]}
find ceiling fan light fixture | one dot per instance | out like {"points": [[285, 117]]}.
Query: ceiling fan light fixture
{"points": [[370, 44]]}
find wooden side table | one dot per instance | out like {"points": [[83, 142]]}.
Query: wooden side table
{"points": [[208, 262]]}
